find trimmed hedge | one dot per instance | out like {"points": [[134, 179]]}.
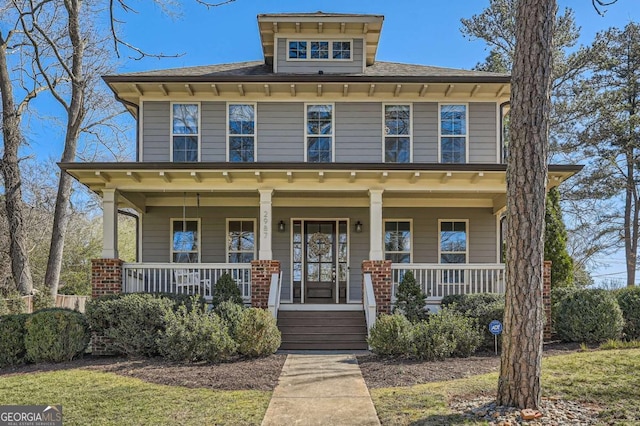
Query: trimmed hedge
{"points": [[55, 335], [391, 335], [588, 315], [629, 301], [257, 333], [12, 331], [483, 307]]}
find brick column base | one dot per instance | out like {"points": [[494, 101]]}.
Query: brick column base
{"points": [[261, 271], [546, 298], [380, 271], [106, 278]]}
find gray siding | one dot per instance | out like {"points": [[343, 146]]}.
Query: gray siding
{"points": [[482, 132], [425, 132], [358, 132], [327, 66], [214, 131], [280, 131], [155, 131]]}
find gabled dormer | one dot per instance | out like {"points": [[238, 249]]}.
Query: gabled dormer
{"points": [[319, 43]]}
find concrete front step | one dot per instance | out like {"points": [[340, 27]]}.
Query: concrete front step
{"points": [[323, 330], [324, 346]]}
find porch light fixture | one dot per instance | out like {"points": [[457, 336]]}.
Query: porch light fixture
{"points": [[358, 227], [281, 226]]}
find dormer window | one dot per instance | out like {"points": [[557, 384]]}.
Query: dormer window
{"points": [[321, 50]]}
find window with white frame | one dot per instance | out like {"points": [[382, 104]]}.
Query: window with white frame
{"points": [[453, 133], [185, 240], [397, 133], [453, 241], [185, 131], [241, 240], [319, 133], [242, 133], [319, 50], [397, 241]]}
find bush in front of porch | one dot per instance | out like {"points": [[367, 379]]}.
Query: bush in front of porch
{"points": [[482, 307], [410, 299]]}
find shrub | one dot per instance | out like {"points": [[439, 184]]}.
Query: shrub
{"points": [[79, 287], [445, 334], [195, 335], [226, 289], [410, 299], [55, 335], [257, 333], [391, 335], [483, 307], [231, 314], [12, 331], [629, 301], [133, 322], [190, 301], [589, 315], [42, 299], [15, 303], [4, 309]]}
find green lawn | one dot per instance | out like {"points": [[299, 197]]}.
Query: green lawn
{"points": [[608, 378], [97, 398]]}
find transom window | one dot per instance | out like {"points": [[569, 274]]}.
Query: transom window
{"points": [[241, 240], [185, 240], [319, 130], [185, 132], [242, 133], [319, 49], [453, 241], [453, 133], [397, 133], [397, 241]]}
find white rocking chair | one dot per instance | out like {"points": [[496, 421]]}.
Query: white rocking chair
{"points": [[189, 281]]}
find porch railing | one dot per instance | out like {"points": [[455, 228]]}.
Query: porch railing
{"points": [[184, 278], [274, 294], [440, 280], [369, 302]]}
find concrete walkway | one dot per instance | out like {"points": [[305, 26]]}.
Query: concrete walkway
{"points": [[321, 390]]}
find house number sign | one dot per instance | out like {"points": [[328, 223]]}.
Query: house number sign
{"points": [[265, 224]]}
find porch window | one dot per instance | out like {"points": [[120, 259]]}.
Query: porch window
{"points": [[185, 240], [185, 132], [453, 241], [319, 132], [242, 133], [241, 240], [453, 133], [397, 241], [397, 133]]}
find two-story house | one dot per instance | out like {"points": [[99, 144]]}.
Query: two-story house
{"points": [[315, 176]]}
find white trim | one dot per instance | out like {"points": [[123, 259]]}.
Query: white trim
{"points": [[255, 239], [141, 132], [275, 53], [498, 134], [318, 38], [255, 128], [498, 243], [466, 221], [171, 134], [384, 135], [410, 220], [306, 129], [186, 219], [466, 135], [140, 234]]}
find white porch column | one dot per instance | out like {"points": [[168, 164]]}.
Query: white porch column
{"points": [[265, 252], [375, 220], [109, 223]]}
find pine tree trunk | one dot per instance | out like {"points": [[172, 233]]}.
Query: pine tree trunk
{"points": [[519, 383], [631, 219]]}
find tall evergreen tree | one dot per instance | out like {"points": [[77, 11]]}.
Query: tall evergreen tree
{"points": [[555, 242]]}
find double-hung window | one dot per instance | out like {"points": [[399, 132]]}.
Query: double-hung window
{"points": [[453, 133], [185, 240], [319, 133], [242, 133], [397, 133], [453, 241], [241, 240], [185, 131], [397, 241]]}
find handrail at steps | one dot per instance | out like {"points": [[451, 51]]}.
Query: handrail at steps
{"points": [[274, 294], [369, 302]]}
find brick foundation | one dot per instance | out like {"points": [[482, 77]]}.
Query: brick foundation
{"points": [[106, 278], [380, 271], [261, 271], [546, 298]]}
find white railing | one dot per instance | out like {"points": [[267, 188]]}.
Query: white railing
{"points": [[369, 302], [440, 280], [274, 294], [184, 278]]}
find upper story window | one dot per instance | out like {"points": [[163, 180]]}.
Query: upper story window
{"points": [[319, 133], [185, 131], [453, 241], [185, 240], [319, 50], [242, 133], [453, 133], [397, 241], [241, 240], [397, 133]]}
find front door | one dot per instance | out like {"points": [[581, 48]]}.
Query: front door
{"points": [[320, 261]]}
